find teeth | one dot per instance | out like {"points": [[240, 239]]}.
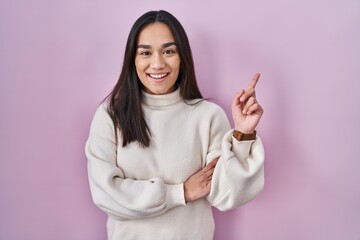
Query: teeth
{"points": [[158, 75]]}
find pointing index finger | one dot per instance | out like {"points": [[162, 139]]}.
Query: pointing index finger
{"points": [[254, 80]]}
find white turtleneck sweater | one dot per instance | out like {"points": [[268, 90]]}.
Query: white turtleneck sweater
{"points": [[141, 189]]}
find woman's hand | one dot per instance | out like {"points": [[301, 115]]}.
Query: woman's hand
{"points": [[246, 110], [199, 184]]}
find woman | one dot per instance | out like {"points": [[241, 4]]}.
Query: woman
{"points": [[159, 155]]}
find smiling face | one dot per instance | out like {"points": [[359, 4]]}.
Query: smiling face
{"points": [[157, 61]]}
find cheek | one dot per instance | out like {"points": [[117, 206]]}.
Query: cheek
{"points": [[140, 72], [176, 65], [139, 65]]}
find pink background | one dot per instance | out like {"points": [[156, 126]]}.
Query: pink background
{"points": [[59, 59]]}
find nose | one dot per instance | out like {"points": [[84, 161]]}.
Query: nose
{"points": [[157, 61]]}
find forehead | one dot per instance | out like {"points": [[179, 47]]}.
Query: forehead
{"points": [[155, 33]]}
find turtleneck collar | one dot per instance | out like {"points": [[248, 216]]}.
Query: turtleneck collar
{"points": [[161, 100]]}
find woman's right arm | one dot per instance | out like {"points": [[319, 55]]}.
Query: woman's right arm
{"points": [[120, 197]]}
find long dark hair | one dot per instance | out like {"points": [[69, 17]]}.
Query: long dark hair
{"points": [[125, 99]]}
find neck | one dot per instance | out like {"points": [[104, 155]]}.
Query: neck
{"points": [[161, 100]]}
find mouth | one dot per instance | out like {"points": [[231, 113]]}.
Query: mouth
{"points": [[157, 77]]}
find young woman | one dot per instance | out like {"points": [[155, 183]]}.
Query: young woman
{"points": [[159, 155]]}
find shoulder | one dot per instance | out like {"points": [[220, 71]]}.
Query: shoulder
{"points": [[101, 117], [102, 110], [214, 116], [210, 108], [209, 112], [102, 128]]}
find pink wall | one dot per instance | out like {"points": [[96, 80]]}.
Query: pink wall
{"points": [[58, 59]]}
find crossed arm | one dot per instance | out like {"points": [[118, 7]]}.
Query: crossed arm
{"points": [[246, 113]]}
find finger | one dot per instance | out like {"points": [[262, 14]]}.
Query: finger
{"points": [[208, 185], [209, 173], [207, 189], [254, 80], [253, 108], [211, 165], [249, 93], [236, 100], [251, 101]]}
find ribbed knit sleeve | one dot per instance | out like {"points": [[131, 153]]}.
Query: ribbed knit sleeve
{"points": [[239, 173], [118, 196]]}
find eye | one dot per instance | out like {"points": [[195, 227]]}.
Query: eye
{"points": [[169, 51], [145, 53]]}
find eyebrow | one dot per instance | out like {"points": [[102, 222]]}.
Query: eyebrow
{"points": [[165, 45]]}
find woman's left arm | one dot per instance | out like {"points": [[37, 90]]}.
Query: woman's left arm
{"points": [[239, 173]]}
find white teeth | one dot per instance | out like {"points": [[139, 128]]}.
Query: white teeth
{"points": [[158, 75]]}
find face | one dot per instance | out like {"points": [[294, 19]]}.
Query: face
{"points": [[157, 61]]}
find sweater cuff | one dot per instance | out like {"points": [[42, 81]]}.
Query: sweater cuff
{"points": [[241, 149], [175, 195]]}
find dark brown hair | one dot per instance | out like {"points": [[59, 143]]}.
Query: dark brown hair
{"points": [[125, 99]]}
